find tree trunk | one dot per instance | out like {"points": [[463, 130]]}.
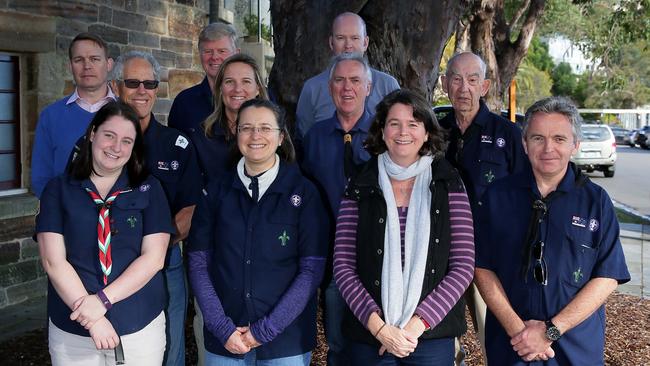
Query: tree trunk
{"points": [[406, 40], [491, 35]]}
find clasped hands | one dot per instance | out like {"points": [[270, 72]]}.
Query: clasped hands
{"points": [[531, 343], [241, 341], [89, 312], [400, 342]]}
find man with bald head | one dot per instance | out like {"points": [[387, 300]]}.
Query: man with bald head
{"points": [[315, 103], [483, 146]]}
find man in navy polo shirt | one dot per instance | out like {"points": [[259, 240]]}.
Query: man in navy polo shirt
{"points": [[170, 158], [548, 252], [192, 106], [483, 146], [333, 148]]}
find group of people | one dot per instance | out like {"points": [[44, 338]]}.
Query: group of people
{"points": [[398, 218]]}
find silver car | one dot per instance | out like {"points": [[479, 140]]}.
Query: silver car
{"points": [[597, 150]]}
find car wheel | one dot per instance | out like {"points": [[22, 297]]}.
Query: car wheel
{"points": [[645, 146], [608, 173]]}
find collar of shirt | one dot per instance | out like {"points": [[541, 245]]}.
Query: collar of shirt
{"points": [[264, 181], [568, 182], [363, 124], [92, 108], [121, 183], [150, 134], [205, 88]]}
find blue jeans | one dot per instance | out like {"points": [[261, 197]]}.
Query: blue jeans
{"points": [[176, 309], [429, 352], [335, 308], [250, 359]]}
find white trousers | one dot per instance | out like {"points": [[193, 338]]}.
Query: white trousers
{"points": [[145, 347]]}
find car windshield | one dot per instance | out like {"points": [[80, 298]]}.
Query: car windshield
{"points": [[595, 133]]}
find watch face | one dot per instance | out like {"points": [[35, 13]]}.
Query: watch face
{"points": [[552, 333]]}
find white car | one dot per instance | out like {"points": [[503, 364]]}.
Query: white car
{"points": [[597, 150]]}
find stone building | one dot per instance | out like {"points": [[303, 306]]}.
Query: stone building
{"points": [[34, 40]]}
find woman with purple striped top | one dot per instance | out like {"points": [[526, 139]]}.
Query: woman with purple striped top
{"points": [[404, 247]]}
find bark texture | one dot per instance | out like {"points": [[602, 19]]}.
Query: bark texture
{"points": [[501, 42]]}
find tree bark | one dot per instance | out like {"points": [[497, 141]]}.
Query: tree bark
{"points": [[407, 39], [491, 38]]}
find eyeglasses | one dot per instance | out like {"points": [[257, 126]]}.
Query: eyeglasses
{"points": [[135, 83], [540, 270], [249, 129]]}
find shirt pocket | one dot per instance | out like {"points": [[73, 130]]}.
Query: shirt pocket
{"points": [[492, 166], [579, 256], [126, 215]]}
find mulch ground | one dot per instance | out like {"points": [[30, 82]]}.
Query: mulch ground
{"points": [[628, 339]]}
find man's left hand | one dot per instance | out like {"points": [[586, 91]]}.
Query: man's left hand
{"points": [[532, 340]]}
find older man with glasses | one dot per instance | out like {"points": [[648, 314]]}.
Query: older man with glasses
{"points": [[548, 252]]}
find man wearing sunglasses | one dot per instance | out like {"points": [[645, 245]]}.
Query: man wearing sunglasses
{"points": [[170, 158], [61, 123], [548, 252]]}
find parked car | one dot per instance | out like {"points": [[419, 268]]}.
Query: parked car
{"points": [[597, 150], [621, 135], [632, 137], [642, 137], [442, 111]]}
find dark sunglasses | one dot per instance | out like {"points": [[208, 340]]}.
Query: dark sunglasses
{"points": [[540, 271], [135, 83]]}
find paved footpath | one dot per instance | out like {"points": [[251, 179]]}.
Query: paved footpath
{"points": [[636, 245]]}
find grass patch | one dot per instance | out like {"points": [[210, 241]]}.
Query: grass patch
{"points": [[627, 218]]}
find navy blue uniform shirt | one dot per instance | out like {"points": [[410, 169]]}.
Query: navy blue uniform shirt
{"points": [[323, 156], [581, 236], [191, 107], [170, 157], [214, 153], [67, 209], [255, 252], [491, 149]]}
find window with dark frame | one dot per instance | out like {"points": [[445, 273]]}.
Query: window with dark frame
{"points": [[9, 123]]}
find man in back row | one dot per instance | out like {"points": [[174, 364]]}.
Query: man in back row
{"points": [[60, 124], [192, 106], [315, 103]]}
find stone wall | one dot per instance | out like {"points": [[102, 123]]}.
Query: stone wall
{"points": [[39, 32]]}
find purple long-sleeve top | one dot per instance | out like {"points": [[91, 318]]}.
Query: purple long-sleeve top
{"points": [[435, 306], [290, 305]]}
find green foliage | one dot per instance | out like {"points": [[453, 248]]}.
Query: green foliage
{"points": [[532, 84], [565, 81], [538, 55], [250, 22]]}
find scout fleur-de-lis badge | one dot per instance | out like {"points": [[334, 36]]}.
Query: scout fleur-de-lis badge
{"points": [[489, 176], [284, 238], [132, 220], [577, 275]]}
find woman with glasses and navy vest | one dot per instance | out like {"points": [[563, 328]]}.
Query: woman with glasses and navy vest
{"points": [[257, 250]]}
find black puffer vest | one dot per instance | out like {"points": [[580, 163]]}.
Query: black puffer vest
{"points": [[364, 188]]}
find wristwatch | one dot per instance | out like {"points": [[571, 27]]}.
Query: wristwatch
{"points": [[552, 333]]}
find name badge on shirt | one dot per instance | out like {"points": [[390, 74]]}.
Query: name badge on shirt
{"points": [[487, 139], [163, 165], [578, 221]]}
